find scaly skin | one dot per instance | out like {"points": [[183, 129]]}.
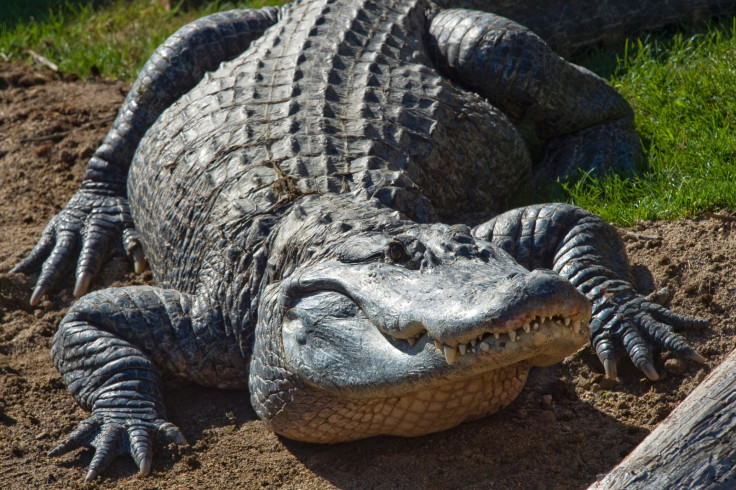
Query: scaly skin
{"points": [[289, 202], [570, 26]]}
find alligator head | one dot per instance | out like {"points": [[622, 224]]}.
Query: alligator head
{"points": [[407, 329]]}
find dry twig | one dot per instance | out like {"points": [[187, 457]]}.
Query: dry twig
{"points": [[722, 217], [641, 236], [42, 60]]}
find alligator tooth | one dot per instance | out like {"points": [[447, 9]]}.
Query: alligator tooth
{"points": [[412, 340], [462, 348], [527, 328], [484, 347], [567, 321], [512, 335], [473, 343], [450, 354], [535, 326], [576, 326], [496, 334]]}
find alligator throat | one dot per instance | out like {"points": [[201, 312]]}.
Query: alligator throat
{"points": [[335, 419]]}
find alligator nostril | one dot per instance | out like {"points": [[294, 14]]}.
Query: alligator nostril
{"points": [[513, 275]]}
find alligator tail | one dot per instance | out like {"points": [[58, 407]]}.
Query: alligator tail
{"points": [[572, 25]]}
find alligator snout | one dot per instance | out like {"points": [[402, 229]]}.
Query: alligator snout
{"points": [[463, 310], [454, 303]]}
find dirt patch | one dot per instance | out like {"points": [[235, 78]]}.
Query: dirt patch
{"points": [[568, 425]]}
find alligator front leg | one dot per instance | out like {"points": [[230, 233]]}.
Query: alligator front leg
{"points": [[97, 216], [109, 349], [589, 252], [584, 122]]}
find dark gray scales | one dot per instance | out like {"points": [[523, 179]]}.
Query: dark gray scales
{"points": [[286, 172]]}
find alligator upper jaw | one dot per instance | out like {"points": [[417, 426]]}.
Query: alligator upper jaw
{"points": [[341, 332], [520, 335]]}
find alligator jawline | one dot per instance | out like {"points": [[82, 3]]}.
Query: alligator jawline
{"points": [[535, 332]]}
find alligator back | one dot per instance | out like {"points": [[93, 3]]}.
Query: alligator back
{"points": [[338, 97]]}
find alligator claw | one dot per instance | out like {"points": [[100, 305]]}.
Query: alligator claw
{"points": [[609, 365], [630, 321], [82, 284], [115, 434], [65, 244], [169, 433], [86, 228], [139, 261], [144, 465], [648, 369], [37, 294], [134, 250], [694, 356]]}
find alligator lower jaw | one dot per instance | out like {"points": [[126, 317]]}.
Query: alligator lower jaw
{"points": [[534, 333], [333, 417]]}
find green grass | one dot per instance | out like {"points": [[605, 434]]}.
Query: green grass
{"points": [[683, 93], [680, 83], [109, 38]]}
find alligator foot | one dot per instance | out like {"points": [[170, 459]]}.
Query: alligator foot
{"points": [[637, 324], [88, 228], [117, 339], [113, 432]]}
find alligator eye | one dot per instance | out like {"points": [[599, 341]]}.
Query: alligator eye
{"points": [[396, 251]]}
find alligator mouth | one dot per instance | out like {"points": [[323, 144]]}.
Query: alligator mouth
{"points": [[535, 332]]}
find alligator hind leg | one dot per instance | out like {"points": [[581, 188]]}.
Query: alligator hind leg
{"points": [[585, 123], [97, 216], [587, 251], [109, 349]]}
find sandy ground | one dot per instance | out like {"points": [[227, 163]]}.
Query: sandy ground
{"points": [[568, 426]]}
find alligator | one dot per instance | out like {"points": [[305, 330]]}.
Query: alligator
{"points": [[311, 186]]}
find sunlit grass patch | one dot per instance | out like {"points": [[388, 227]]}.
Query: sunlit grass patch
{"points": [[684, 97], [111, 39]]}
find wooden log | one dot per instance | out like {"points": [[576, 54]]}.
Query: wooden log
{"points": [[695, 447]]}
